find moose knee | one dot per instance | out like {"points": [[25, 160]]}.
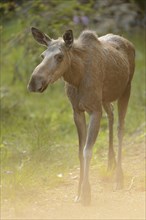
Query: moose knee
{"points": [[87, 153]]}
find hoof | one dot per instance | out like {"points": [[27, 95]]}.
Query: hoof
{"points": [[77, 199], [119, 181], [86, 195], [119, 186], [86, 200]]}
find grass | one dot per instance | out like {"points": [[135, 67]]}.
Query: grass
{"points": [[35, 140], [38, 136]]}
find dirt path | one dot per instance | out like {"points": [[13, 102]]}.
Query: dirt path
{"points": [[106, 204]]}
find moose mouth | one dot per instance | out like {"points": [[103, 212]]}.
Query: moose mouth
{"points": [[43, 88], [32, 87]]}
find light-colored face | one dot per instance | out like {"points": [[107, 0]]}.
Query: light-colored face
{"points": [[49, 70], [54, 61]]}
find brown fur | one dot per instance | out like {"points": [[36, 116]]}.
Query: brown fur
{"points": [[99, 71]]}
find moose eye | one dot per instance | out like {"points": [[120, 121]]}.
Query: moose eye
{"points": [[59, 57]]}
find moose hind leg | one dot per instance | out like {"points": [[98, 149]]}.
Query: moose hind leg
{"points": [[122, 109], [111, 154]]}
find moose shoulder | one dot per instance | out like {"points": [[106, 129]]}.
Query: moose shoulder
{"points": [[97, 71]]}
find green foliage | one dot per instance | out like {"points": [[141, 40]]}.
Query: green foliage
{"points": [[136, 111], [36, 138]]}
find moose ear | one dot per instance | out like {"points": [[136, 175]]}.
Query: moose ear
{"points": [[68, 38], [40, 37]]}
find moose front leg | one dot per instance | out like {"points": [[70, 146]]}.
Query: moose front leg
{"points": [[80, 121], [92, 133]]}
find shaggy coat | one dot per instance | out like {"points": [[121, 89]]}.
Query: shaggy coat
{"points": [[99, 70]]}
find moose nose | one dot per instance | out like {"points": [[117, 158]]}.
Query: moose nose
{"points": [[35, 84], [30, 88]]}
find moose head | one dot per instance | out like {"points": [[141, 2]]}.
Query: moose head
{"points": [[55, 59]]}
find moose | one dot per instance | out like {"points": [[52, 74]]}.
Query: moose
{"points": [[97, 71]]}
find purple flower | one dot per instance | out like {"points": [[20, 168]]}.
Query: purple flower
{"points": [[76, 19], [84, 20]]}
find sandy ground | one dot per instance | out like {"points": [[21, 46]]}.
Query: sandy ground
{"points": [[58, 203]]}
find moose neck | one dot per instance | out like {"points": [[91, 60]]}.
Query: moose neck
{"points": [[76, 66]]}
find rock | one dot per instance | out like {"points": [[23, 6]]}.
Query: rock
{"points": [[115, 15], [105, 25]]}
